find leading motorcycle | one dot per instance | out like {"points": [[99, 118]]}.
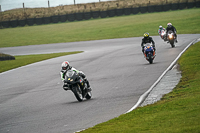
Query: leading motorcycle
{"points": [[171, 38], [77, 85], [149, 52]]}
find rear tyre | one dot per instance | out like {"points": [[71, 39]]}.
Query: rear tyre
{"points": [[89, 95]]}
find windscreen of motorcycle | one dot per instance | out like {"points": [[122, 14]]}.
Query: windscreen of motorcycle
{"points": [[70, 73], [148, 45]]}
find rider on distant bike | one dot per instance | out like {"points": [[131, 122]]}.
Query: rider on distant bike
{"points": [[163, 36], [65, 67], [160, 29], [147, 39], [172, 28]]}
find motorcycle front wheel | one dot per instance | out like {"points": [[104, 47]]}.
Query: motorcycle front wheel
{"points": [[172, 43], [78, 93], [150, 59]]}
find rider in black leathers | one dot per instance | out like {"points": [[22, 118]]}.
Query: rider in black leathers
{"points": [[172, 28], [147, 39]]}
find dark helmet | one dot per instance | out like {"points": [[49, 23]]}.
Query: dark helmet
{"points": [[146, 35]]}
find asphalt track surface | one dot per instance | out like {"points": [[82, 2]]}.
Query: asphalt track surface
{"points": [[32, 99]]}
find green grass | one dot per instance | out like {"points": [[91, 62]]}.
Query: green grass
{"points": [[28, 59], [186, 21], [177, 112]]}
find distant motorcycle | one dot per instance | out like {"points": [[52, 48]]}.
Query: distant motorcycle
{"points": [[171, 38], [149, 52], [77, 85], [163, 35]]}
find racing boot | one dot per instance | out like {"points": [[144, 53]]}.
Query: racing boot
{"points": [[176, 40], [89, 89], [88, 86]]}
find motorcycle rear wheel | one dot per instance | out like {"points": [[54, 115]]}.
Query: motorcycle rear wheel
{"points": [[89, 95]]}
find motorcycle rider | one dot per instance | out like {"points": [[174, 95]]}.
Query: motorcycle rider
{"points": [[147, 39], [160, 29], [172, 28], [65, 67]]}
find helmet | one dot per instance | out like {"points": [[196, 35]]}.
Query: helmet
{"points": [[146, 35], [65, 66], [160, 27], [169, 24]]}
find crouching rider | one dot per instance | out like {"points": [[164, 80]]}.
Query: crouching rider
{"points": [[65, 67]]}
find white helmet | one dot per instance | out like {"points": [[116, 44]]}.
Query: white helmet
{"points": [[160, 27], [169, 24], [65, 66]]}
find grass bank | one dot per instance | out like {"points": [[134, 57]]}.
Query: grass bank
{"points": [[97, 29], [28, 59], [21, 14], [177, 112]]}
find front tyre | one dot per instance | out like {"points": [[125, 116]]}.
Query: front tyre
{"points": [[78, 93], [172, 43], [150, 59]]}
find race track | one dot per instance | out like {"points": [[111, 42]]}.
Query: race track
{"points": [[32, 99]]}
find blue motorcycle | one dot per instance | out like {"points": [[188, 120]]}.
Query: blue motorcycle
{"points": [[149, 52]]}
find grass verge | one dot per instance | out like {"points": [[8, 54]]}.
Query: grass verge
{"points": [[177, 112], [28, 59], [97, 29], [20, 13]]}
